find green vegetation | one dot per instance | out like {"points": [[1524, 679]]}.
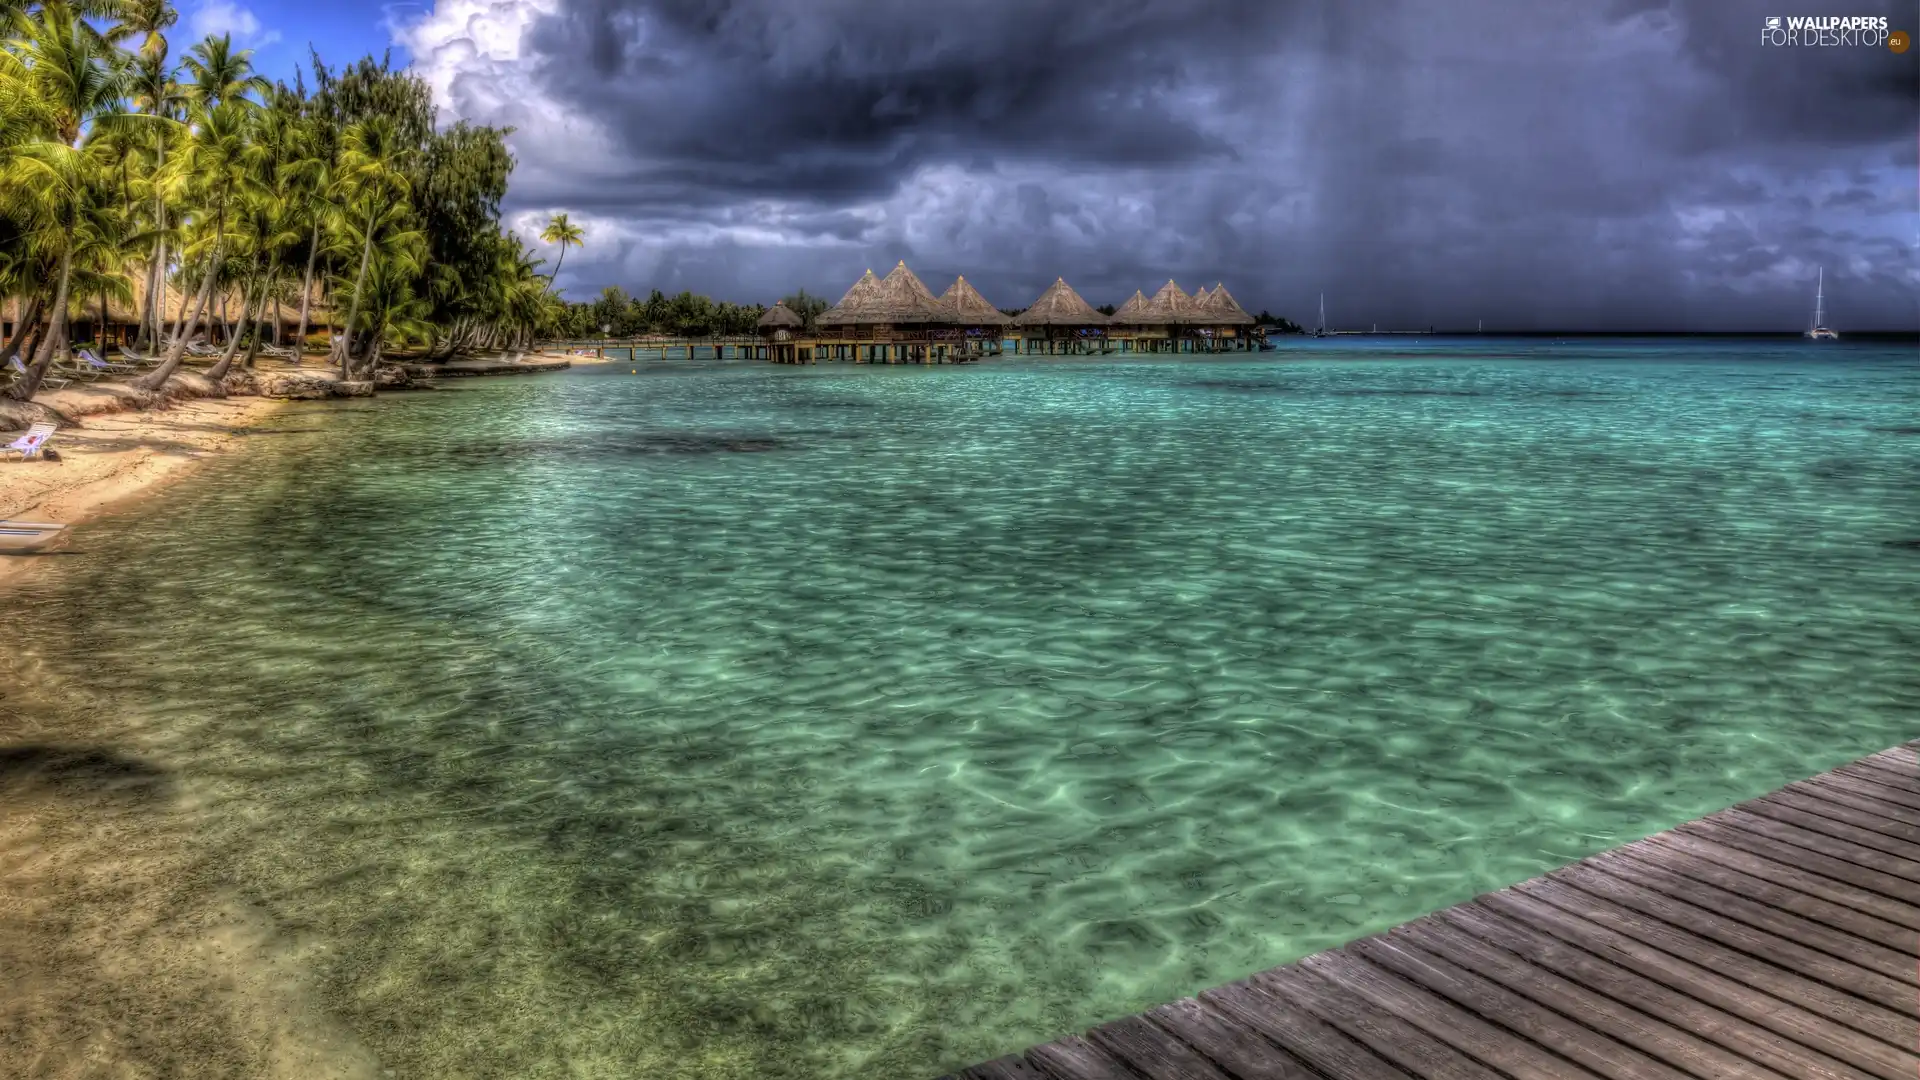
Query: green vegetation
{"points": [[1269, 319], [686, 315], [126, 176]]}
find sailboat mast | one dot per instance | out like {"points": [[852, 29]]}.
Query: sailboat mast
{"points": [[1820, 300]]}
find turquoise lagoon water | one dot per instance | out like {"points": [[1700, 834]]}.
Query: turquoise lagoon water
{"points": [[731, 720]]}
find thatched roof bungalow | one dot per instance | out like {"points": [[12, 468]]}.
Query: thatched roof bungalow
{"points": [[780, 317], [1131, 313], [1061, 321], [904, 300], [1170, 306], [972, 310], [855, 307], [1221, 309]]}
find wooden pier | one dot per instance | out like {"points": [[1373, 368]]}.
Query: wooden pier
{"points": [[1776, 939]]}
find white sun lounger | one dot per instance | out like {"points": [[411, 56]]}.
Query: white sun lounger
{"points": [[89, 358], [28, 446], [20, 372]]}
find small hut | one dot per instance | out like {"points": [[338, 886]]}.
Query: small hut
{"points": [[979, 323], [1228, 323], [853, 308], [1159, 324], [1060, 322], [778, 328]]}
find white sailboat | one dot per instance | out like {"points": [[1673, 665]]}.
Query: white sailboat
{"points": [[1321, 331], [1820, 332]]}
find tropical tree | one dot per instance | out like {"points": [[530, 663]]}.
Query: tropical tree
{"points": [[77, 78], [561, 231], [124, 172]]}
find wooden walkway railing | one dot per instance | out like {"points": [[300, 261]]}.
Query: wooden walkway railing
{"points": [[1777, 939]]}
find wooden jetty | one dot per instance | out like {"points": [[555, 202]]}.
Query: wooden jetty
{"points": [[1778, 939]]}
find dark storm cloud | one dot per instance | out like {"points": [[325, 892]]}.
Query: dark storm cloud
{"points": [[1641, 164], [834, 99]]}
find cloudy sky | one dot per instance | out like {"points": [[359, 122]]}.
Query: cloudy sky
{"points": [[1618, 164]]}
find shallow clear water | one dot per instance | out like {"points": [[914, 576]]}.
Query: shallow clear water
{"points": [[748, 721]]}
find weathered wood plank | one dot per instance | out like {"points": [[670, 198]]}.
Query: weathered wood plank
{"points": [[1859, 795], [1609, 1037], [1828, 819], [1778, 942], [1880, 792], [1382, 1032], [1313, 1040], [1147, 1049], [1734, 1037], [1820, 1018], [1837, 930], [1880, 774], [1701, 849], [1013, 1067], [1239, 1051], [1824, 842], [1859, 877], [1495, 1047], [1074, 1058]]}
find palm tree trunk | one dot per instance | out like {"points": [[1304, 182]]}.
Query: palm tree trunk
{"points": [[29, 384], [225, 364], [26, 324], [359, 286], [306, 289], [158, 377], [557, 264]]}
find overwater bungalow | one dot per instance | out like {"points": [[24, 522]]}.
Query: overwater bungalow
{"points": [[890, 320], [1061, 323], [780, 329], [1172, 321], [1222, 324], [897, 319], [981, 327]]}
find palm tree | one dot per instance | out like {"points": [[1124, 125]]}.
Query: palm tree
{"points": [[561, 231], [370, 180], [78, 79], [214, 166]]}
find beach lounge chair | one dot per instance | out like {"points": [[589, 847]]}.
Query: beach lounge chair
{"points": [[28, 445], [20, 372], [92, 360]]}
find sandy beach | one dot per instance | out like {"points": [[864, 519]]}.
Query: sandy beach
{"points": [[110, 458]]}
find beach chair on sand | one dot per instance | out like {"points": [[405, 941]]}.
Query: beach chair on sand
{"points": [[105, 367], [28, 445], [19, 371]]}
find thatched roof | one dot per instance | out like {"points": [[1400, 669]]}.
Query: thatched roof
{"points": [[1133, 312], [1169, 305], [1222, 309], [855, 305], [1060, 306], [969, 307], [1200, 299], [904, 299], [779, 317]]}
